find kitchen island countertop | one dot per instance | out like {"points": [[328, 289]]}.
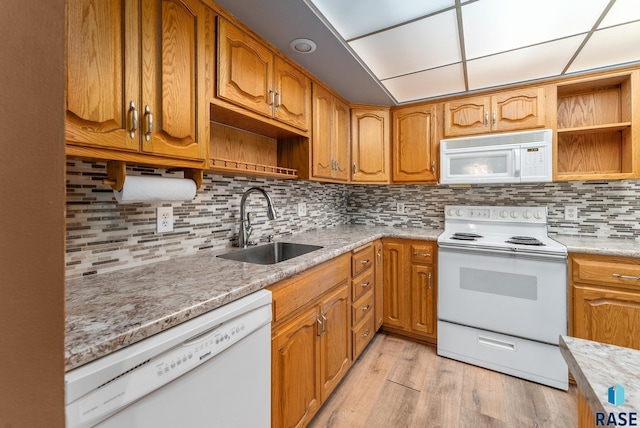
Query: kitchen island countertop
{"points": [[112, 310], [597, 366]]}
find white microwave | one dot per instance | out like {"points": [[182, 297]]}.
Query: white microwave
{"points": [[516, 157]]}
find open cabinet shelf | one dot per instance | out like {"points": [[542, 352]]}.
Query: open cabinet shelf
{"points": [[239, 152], [595, 136]]}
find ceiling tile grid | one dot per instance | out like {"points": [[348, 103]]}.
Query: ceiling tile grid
{"points": [[416, 50]]}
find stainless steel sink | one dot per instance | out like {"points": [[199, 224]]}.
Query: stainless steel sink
{"points": [[269, 254]]}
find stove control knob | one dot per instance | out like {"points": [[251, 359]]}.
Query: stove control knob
{"points": [[504, 214], [514, 214], [538, 215], [451, 212], [526, 215], [459, 213]]}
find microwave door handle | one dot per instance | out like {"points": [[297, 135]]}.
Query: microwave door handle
{"points": [[516, 159]]}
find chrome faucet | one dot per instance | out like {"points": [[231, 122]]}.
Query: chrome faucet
{"points": [[245, 222]]}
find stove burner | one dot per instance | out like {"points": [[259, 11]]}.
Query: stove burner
{"points": [[463, 236], [524, 240]]}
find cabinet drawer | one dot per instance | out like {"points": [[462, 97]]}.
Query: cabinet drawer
{"points": [[422, 253], [297, 292], [361, 259], [363, 334], [362, 284], [362, 308], [615, 271]]}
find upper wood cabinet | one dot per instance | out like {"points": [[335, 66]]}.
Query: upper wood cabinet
{"points": [[597, 135], [370, 145], [252, 76], [415, 144], [330, 136], [504, 111], [136, 76], [605, 299]]}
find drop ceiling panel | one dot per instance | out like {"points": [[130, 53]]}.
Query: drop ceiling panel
{"points": [[353, 18], [614, 45], [534, 62], [623, 11], [424, 44], [427, 84], [492, 26]]}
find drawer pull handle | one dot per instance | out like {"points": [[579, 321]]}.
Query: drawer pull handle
{"points": [[364, 262], [366, 333], [422, 254], [366, 308], [629, 277], [365, 284]]}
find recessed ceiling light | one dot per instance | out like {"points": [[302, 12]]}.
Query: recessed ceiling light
{"points": [[303, 46]]}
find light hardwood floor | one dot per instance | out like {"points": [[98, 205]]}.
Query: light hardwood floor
{"points": [[399, 383]]}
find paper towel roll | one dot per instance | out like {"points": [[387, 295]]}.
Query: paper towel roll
{"points": [[145, 189]]}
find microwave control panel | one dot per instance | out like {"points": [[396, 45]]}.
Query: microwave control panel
{"points": [[534, 161]]}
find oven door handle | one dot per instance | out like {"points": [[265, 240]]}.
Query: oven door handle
{"points": [[516, 160], [500, 251]]}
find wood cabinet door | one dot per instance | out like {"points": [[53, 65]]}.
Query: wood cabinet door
{"points": [[522, 109], [415, 145], [335, 339], [378, 287], [103, 73], [322, 134], [245, 69], [295, 365], [607, 315], [423, 303], [175, 105], [467, 116], [341, 140], [370, 145], [394, 292], [293, 95]]}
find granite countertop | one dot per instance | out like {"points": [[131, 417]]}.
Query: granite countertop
{"points": [[598, 245], [597, 366], [110, 311]]}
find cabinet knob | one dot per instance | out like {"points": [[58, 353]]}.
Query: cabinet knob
{"points": [[365, 308], [486, 119], [365, 284], [364, 262], [366, 333]]}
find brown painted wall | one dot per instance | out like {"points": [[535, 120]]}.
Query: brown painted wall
{"points": [[32, 78]]}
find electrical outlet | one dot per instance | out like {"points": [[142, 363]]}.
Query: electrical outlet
{"points": [[570, 212], [164, 219], [302, 209], [400, 207]]}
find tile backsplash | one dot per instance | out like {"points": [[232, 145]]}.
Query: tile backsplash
{"points": [[103, 236]]}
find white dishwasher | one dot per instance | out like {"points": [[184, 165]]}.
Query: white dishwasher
{"points": [[211, 371]]}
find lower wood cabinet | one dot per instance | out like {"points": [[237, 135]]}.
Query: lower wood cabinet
{"points": [[410, 292], [605, 299], [311, 340], [363, 287]]}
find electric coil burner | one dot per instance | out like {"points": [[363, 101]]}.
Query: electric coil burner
{"points": [[502, 292]]}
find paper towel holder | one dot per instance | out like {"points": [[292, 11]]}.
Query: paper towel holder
{"points": [[117, 171]]}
